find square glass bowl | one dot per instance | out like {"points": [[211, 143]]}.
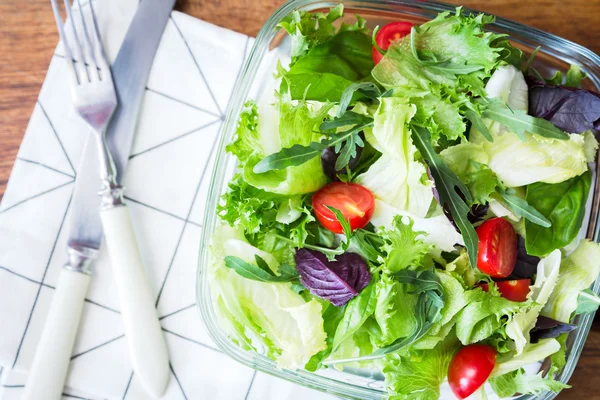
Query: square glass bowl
{"points": [[256, 78]]}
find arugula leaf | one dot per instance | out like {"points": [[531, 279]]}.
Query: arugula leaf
{"points": [[345, 223], [447, 184], [368, 245], [299, 154], [346, 119], [357, 311], [520, 122], [587, 302], [520, 207], [563, 204], [478, 124], [261, 271], [367, 89]]}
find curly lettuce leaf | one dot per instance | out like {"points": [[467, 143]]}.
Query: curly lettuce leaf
{"points": [[402, 245], [519, 382], [417, 375], [394, 311]]}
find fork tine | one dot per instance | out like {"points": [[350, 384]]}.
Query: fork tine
{"points": [[63, 38], [89, 47], [78, 49], [100, 48]]}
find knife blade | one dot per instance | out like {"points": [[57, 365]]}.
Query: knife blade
{"points": [[50, 366], [130, 73]]}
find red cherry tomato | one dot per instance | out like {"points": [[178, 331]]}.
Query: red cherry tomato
{"points": [[497, 248], [516, 290], [355, 202], [469, 369], [389, 33]]}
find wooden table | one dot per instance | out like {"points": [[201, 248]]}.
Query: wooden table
{"points": [[28, 37]]}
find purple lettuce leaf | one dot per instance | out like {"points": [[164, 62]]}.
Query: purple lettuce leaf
{"points": [[546, 328], [337, 281], [570, 109]]}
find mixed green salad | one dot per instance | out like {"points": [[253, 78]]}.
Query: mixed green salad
{"points": [[410, 200]]}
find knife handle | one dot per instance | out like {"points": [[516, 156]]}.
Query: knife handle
{"points": [[48, 372], [147, 346]]}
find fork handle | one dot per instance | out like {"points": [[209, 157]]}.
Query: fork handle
{"points": [[147, 346], [46, 378]]}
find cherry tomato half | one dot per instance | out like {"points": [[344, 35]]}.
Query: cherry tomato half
{"points": [[355, 202], [389, 33], [497, 252], [469, 369], [516, 290]]}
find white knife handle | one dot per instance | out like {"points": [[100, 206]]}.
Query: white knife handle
{"points": [[147, 346], [48, 372]]}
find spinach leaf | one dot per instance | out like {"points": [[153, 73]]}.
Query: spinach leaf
{"points": [[448, 185], [357, 311], [329, 68], [563, 204], [261, 271]]}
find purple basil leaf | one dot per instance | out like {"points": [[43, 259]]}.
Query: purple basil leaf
{"points": [[570, 109], [337, 281], [526, 265], [546, 328], [329, 158]]}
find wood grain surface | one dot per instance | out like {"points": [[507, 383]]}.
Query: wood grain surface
{"points": [[28, 37]]}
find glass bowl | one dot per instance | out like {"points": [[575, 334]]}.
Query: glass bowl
{"points": [[256, 77]]}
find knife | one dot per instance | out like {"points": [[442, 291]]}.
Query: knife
{"points": [[146, 342]]}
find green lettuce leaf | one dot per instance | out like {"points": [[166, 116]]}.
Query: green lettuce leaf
{"points": [[577, 272], [418, 375], [262, 314], [297, 125], [396, 178], [308, 30], [532, 353], [484, 314], [394, 310], [247, 137], [518, 382], [403, 247]]}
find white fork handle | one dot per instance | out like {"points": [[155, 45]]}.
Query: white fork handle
{"points": [[48, 372], [147, 346]]}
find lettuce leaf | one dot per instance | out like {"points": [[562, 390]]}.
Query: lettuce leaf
{"points": [[520, 325], [396, 178], [519, 382], [263, 315], [394, 311], [532, 353], [403, 246], [418, 375], [577, 272], [308, 30], [297, 125]]}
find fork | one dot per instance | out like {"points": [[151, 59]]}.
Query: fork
{"points": [[95, 100]]}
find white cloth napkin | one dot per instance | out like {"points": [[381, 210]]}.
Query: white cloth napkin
{"points": [[167, 179]]}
